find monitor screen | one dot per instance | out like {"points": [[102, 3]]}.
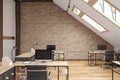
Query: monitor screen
{"points": [[101, 47], [50, 47], [43, 55]]}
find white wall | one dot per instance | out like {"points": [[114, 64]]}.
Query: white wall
{"points": [[8, 26]]}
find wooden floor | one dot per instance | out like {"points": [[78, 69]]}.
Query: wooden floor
{"points": [[79, 70]]}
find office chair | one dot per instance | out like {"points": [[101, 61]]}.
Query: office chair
{"points": [[118, 56], [38, 73], [109, 57]]}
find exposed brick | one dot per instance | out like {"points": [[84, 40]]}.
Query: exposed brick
{"points": [[45, 24]]}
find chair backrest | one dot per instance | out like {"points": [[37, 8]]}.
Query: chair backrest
{"points": [[37, 73], [109, 55], [118, 56]]}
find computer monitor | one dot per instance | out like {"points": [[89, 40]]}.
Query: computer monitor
{"points": [[43, 55], [51, 47], [101, 47]]}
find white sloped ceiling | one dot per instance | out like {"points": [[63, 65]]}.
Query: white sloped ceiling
{"points": [[116, 3], [62, 3], [112, 36]]}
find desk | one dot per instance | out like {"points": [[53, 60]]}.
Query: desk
{"points": [[115, 69], [94, 54], [59, 53], [25, 57], [56, 64], [28, 56]]}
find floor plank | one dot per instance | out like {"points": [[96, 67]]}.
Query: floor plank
{"points": [[79, 70]]}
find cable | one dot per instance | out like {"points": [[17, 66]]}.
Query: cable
{"points": [[68, 5]]}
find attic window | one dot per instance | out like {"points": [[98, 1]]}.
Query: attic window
{"points": [[76, 10], [108, 11], [93, 23]]}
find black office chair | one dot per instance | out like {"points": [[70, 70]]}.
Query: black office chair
{"points": [[109, 57], [118, 56], [37, 73]]}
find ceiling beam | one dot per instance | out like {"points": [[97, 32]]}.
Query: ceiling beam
{"points": [[90, 3]]}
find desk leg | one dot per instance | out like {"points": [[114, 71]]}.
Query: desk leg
{"points": [[63, 56], [112, 72], [95, 60], [59, 57], [88, 58], [53, 56], [58, 72], [67, 75]]}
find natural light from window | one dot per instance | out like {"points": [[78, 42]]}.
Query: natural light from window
{"points": [[89, 20], [109, 11], [93, 23]]}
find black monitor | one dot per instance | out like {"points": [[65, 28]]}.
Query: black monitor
{"points": [[43, 55], [101, 47], [51, 47]]}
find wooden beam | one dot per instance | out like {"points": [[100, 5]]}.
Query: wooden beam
{"points": [[8, 37], [90, 3], [18, 29]]}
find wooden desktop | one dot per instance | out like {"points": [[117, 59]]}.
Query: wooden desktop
{"points": [[115, 68]]}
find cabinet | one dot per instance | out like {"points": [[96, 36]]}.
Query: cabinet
{"points": [[1, 77], [8, 75], [12, 73]]}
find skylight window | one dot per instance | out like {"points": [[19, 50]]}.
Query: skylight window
{"points": [[76, 10], [93, 23], [108, 11]]}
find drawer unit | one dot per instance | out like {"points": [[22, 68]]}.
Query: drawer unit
{"points": [[8, 75], [12, 73]]}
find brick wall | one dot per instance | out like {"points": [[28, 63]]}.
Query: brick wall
{"points": [[47, 24]]}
